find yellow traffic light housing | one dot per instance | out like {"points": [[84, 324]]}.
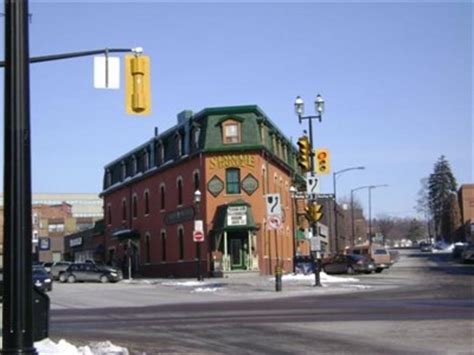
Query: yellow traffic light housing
{"points": [[137, 85], [323, 166], [304, 155], [314, 212]]}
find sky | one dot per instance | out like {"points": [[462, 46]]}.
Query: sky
{"points": [[396, 79]]}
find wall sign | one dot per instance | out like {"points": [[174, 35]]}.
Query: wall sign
{"points": [[179, 216], [249, 184], [215, 186], [75, 242], [44, 243], [232, 161]]}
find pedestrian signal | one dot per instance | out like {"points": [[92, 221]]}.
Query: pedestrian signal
{"points": [[137, 85]]}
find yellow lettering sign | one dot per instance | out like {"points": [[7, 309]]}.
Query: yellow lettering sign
{"points": [[232, 161]]}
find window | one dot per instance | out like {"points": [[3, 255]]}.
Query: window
{"points": [[108, 178], [147, 203], [146, 161], [124, 170], [147, 248], [135, 206], [179, 142], [181, 243], [109, 214], [134, 165], [196, 180], [124, 210], [163, 245], [196, 134], [232, 178], [180, 191], [56, 227], [231, 133], [162, 197]]}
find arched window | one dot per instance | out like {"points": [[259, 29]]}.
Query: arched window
{"points": [[147, 248], [196, 180], [179, 183], [147, 202], [181, 242], [232, 178], [163, 245], [109, 214], [124, 209], [162, 197], [135, 206]]}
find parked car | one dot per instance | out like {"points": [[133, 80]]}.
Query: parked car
{"points": [[468, 254], [458, 249], [348, 264], [42, 279], [426, 247], [377, 253], [90, 272], [59, 267]]}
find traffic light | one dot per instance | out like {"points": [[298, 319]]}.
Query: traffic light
{"points": [[137, 85], [323, 166], [314, 212], [304, 155]]}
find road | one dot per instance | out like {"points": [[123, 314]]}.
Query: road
{"points": [[423, 305]]}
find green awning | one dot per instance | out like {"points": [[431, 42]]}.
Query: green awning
{"points": [[236, 215]]}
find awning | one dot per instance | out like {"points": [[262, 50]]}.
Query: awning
{"points": [[236, 215], [126, 234]]}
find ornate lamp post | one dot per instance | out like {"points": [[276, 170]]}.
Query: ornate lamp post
{"points": [[299, 110]]}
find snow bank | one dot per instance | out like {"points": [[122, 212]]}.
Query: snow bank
{"points": [[323, 277], [205, 289], [183, 283], [49, 347]]}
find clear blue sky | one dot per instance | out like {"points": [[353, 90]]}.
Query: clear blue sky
{"points": [[397, 80]]}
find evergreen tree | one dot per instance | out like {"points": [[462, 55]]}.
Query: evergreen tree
{"points": [[441, 185]]}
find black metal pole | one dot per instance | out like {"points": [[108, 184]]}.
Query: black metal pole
{"points": [[352, 218], [18, 285], [370, 216], [199, 273], [336, 242]]}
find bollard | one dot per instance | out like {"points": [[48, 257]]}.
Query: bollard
{"points": [[278, 274]]}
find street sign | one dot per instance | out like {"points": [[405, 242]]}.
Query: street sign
{"points": [[273, 204], [315, 244], [273, 222], [198, 225], [325, 195], [106, 72], [198, 236], [312, 185]]}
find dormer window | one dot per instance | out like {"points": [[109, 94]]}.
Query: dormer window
{"points": [[134, 165], [146, 160], [124, 170], [108, 177], [231, 132]]}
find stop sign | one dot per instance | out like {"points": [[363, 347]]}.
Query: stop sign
{"points": [[198, 236]]}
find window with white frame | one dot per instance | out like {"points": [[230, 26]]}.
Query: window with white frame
{"points": [[231, 132]]}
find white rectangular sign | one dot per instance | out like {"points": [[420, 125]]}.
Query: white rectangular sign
{"points": [[315, 244], [198, 225], [106, 75], [273, 202], [312, 185]]}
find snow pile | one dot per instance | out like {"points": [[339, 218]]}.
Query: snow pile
{"points": [[183, 283], [49, 347], [323, 277], [205, 289]]}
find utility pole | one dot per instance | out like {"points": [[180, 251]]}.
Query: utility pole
{"points": [[18, 284]]}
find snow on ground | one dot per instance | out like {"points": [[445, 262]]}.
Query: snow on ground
{"points": [[323, 277], [183, 283], [49, 347], [205, 289]]}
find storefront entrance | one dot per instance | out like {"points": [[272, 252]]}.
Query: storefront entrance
{"points": [[238, 253]]}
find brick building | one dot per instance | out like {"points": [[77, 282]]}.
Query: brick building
{"points": [[466, 201], [234, 156]]}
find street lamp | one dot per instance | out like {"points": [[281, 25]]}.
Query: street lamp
{"points": [[370, 209], [293, 191], [197, 201], [299, 110], [334, 177]]}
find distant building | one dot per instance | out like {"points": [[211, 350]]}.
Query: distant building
{"points": [[466, 201], [54, 216]]}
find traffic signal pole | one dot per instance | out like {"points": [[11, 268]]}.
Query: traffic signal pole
{"points": [[312, 198], [17, 328]]}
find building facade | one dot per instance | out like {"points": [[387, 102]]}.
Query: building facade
{"points": [[235, 157], [55, 215], [466, 201]]}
